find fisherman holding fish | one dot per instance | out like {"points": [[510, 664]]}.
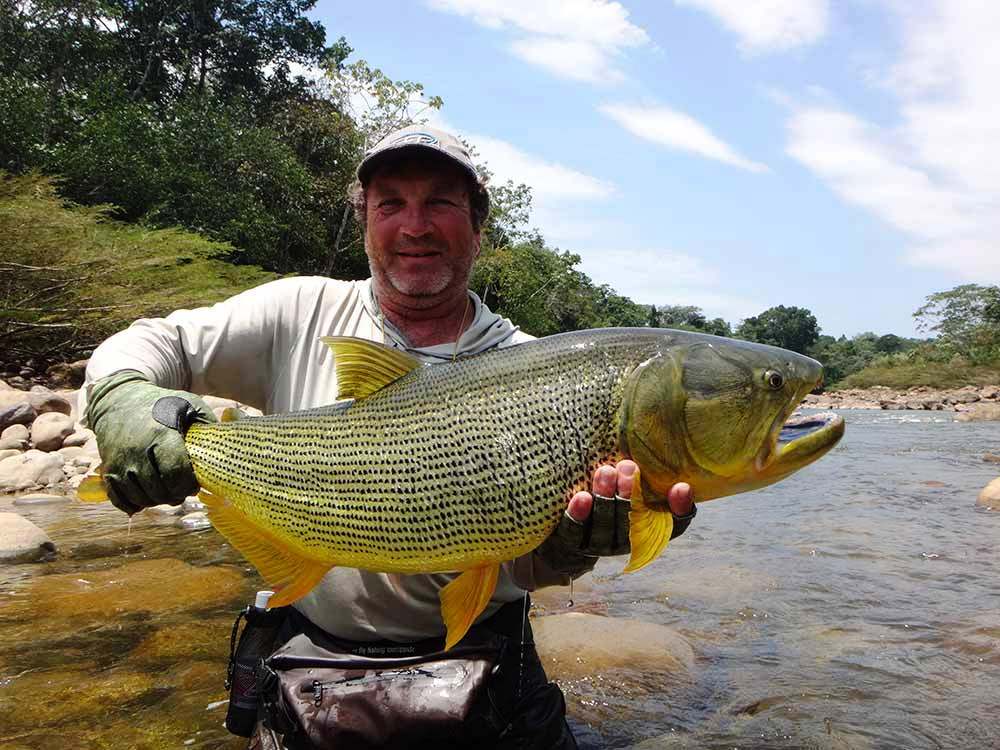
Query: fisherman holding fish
{"points": [[422, 205]]}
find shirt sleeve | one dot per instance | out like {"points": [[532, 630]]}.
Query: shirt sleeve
{"points": [[227, 349]]}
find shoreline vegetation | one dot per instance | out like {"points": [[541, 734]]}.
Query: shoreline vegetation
{"points": [[72, 275]]}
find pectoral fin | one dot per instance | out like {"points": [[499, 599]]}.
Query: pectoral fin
{"points": [[465, 598], [290, 573], [649, 530], [92, 489]]}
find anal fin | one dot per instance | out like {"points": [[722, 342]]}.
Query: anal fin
{"points": [[292, 574], [465, 598], [649, 530]]}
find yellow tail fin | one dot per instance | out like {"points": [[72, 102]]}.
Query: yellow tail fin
{"points": [[649, 530]]}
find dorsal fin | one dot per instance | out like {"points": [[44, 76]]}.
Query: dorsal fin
{"points": [[364, 367]]}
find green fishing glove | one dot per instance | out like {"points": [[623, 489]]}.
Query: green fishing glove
{"points": [[574, 547], [144, 460]]}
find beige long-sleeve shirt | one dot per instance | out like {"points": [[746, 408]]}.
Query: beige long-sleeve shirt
{"points": [[263, 348]]}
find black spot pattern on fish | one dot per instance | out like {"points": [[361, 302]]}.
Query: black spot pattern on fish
{"points": [[452, 464]]}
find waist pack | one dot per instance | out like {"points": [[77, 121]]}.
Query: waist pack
{"points": [[317, 694]]}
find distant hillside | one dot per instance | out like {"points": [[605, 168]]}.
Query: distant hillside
{"points": [[70, 276]]}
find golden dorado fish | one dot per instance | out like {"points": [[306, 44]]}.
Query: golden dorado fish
{"points": [[462, 466]]}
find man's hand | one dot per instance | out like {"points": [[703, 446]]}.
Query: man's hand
{"points": [[144, 461], [596, 523]]}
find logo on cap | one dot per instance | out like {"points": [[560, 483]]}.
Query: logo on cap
{"points": [[421, 139]]}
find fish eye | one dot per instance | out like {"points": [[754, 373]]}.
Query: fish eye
{"points": [[774, 379]]}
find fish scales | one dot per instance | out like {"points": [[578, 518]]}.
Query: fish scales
{"points": [[449, 465]]}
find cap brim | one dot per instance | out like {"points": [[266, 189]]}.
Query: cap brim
{"points": [[374, 161]]}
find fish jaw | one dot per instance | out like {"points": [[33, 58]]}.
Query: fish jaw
{"points": [[796, 443]]}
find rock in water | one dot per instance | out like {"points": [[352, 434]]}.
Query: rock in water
{"points": [[40, 498], [21, 540], [980, 413], [193, 521], [990, 496], [574, 646]]}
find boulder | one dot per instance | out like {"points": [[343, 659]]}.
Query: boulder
{"points": [[46, 401], [29, 470], [21, 540], [19, 413], [575, 646], [49, 431], [990, 495], [78, 438], [72, 453], [4, 386], [17, 444], [67, 374], [15, 431], [8, 452], [980, 412]]}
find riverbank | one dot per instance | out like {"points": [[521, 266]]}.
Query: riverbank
{"points": [[973, 402]]}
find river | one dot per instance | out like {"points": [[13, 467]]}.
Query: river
{"points": [[854, 605]]}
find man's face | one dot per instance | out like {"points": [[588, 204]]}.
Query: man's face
{"points": [[419, 236]]}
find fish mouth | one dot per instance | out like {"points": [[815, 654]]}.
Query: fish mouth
{"points": [[801, 439]]}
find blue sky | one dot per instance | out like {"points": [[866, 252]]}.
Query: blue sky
{"points": [[730, 154]]}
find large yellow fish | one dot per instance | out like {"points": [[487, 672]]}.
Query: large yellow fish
{"points": [[465, 465]]}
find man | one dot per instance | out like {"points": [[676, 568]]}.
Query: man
{"points": [[422, 206]]}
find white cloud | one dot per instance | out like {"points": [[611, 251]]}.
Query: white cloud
{"points": [[680, 280], [575, 39], [676, 130], [936, 174], [769, 25], [567, 58], [548, 180]]}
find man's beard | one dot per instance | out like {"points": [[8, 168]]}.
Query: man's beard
{"points": [[423, 286]]}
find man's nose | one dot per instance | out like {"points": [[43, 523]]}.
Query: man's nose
{"points": [[416, 220]]}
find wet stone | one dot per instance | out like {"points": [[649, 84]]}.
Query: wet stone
{"points": [[575, 646], [990, 495], [40, 498], [21, 541], [192, 505], [194, 521]]}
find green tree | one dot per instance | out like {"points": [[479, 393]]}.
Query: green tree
{"points": [[966, 320], [792, 328]]}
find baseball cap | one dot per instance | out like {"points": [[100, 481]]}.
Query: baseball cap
{"points": [[415, 137]]}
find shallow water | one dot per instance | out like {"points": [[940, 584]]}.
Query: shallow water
{"points": [[854, 605]]}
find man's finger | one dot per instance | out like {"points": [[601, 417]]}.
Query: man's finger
{"points": [[605, 481], [580, 506], [626, 478], [679, 499]]}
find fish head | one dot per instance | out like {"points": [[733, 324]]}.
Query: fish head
{"points": [[717, 413]]}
